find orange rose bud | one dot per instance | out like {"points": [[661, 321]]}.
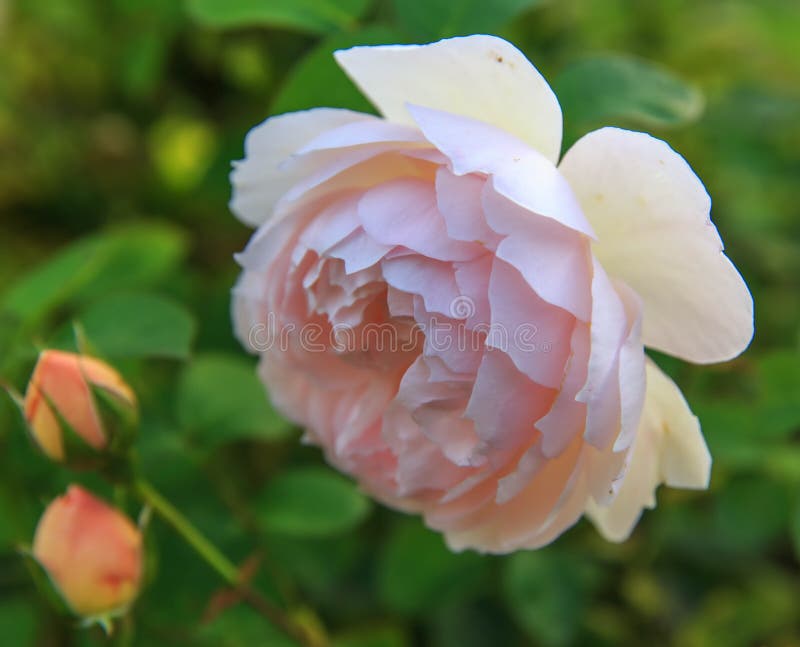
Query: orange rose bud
{"points": [[91, 552], [73, 397]]}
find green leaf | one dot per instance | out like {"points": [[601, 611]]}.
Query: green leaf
{"points": [[221, 399], [123, 258], [480, 622], [755, 433], [373, 637], [317, 565], [433, 19], [317, 16], [795, 529], [548, 593], [317, 80], [749, 513], [779, 374], [240, 627], [311, 502], [417, 572], [44, 583], [614, 88], [18, 621], [138, 325]]}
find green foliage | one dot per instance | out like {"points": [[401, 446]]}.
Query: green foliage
{"points": [[373, 637], [750, 513], [118, 121], [757, 433], [220, 399], [547, 592], [17, 621], [138, 325], [128, 257], [318, 16], [418, 574], [610, 89], [240, 627], [310, 502], [795, 527], [317, 80], [427, 20]]}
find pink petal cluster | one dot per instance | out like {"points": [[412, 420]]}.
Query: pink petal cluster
{"points": [[458, 319]]}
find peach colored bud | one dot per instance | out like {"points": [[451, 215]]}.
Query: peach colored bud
{"points": [[61, 389], [91, 552]]}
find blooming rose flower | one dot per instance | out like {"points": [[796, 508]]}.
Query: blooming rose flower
{"points": [[459, 319], [92, 553], [60, 392]]}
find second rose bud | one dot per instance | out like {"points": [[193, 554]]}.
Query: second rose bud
{"points": [[92, 553]]}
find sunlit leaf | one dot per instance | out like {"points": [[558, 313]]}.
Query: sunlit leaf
{"points": [[310, 502], [182, 149]]}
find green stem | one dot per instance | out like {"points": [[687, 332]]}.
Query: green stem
{"points": [[209, 552], [224, 567]]}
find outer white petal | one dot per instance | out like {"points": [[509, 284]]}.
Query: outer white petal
{"points": [[258, 182], [651, 216], [669, 448], [482, 77]]}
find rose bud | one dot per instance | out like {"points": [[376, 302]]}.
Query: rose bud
{"points": [[457, 314], [77, 407], [91, 552]]}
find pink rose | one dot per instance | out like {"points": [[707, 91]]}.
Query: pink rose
{"points": [[458, 320], [92, 553]]}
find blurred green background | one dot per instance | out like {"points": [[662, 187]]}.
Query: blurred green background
{"points": [[118, 121]]}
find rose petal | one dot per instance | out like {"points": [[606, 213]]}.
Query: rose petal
{"points": [[434, 281], [403, 212], [651, 214], [505, 404], [534, 333], [482, 77], [459, 201], [520, 173], [555, 260], [366, 131], [669, 448], [258, 182]]}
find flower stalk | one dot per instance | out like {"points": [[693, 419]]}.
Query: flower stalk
{"points": [[223, 566]]}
